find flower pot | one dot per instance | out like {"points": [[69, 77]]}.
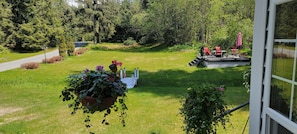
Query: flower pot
{"points": [[92, 104]]}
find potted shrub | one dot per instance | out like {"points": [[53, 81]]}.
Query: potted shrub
{"points": [[203, 109], [96, 91]]}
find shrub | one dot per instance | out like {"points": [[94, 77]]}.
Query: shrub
{"points": [[30, 65], [57, 58], [70, 47], [129, 41], [52, 59], [247, 79], [203, 109], [80, 51], [143, 40], [3, 50], [48, 60], [63, 47]]}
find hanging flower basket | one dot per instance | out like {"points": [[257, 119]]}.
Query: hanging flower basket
{"points": [[92, 104], [96, 91], [204, 108]]}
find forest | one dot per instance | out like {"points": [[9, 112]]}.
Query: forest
{"points": [[31, 25]]}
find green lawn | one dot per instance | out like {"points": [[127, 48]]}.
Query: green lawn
{"points": [[10, 56], [30, 98]]}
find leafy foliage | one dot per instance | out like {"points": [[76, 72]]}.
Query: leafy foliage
{"points": [[203, 109], [63, 48], [70, 47], [129, 41], [247, 79], [29, 25], [3, 50], [6, 26], [36, 24], [90, 89]]}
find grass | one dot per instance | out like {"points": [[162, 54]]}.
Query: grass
{"points": [[153, 105], [10, 56]]}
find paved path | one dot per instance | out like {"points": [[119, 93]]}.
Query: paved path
{"points": [[288, 52], [17, 63]]}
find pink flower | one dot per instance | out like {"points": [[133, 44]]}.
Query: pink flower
{"points": [[220, 88], [117, 63], [99, 68]]}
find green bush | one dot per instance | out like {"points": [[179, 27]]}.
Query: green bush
{"points": [[130, 41], [63, 47], [3, 50], [70, 47]]}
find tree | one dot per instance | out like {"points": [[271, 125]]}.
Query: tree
{"points": [[6, 26], [37, 24], [97, 18], [129, 19], [172, 21], [213, 22]]}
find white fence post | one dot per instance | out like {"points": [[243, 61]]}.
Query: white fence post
{"points": [[121, 73], [137, 73], [124, 73]]}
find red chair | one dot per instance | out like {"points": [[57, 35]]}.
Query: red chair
{"points": [[234, 51], [218, 52], [206, 51]]}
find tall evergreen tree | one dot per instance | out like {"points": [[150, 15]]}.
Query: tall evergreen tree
{"points": [[98, 18], [6, 27], [37, 24]]}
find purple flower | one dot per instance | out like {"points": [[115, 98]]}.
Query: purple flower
{"points": [[99, 68]]}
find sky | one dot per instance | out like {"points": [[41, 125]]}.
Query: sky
{"points": [[72, 3]]}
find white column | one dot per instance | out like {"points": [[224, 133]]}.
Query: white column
{"points": [[124, 75], [257, 66], [121, 73], [137, 71]]}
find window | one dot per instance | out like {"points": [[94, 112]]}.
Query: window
{"points": [[283, 80], [273, 99]]}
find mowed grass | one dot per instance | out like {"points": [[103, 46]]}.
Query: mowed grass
{"points": [[30, 100], [10, 56]]}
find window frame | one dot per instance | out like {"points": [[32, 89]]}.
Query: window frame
{"points": [[267, 112]]}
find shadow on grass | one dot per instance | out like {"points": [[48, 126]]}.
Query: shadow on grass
{"points": [[174, 83], [180, 78]]}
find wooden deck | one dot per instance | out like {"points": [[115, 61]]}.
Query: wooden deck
{"points": [[226, 61]]}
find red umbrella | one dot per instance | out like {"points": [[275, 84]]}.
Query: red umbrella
{"points": [[239, 40]]}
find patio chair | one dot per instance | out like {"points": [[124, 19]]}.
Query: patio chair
{"points": [[235, 51], [218, 52], [206, 51]]}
